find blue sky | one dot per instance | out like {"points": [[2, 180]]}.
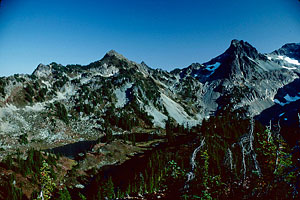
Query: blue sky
{"points": [[165, 34]]}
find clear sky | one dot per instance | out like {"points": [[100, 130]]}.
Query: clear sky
{"points": [[165, 34]]}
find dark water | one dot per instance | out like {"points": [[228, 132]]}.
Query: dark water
{"points": [[72, 150], [126, 173], [131, 169]]}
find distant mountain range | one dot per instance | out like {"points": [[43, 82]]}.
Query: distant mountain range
{"points": [[59, 104]]}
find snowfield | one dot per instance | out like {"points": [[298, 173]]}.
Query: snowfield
{"points": [[289, 99], [289, 68], [212, 68], [289, 60]]}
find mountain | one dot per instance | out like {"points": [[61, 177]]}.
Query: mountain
{"points": [[58, 104], [290, 50], [242, 77]]}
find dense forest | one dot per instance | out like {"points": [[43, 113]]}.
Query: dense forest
{"points": [[226, 157]]}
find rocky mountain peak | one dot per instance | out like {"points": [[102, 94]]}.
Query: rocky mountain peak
{"points": [[236, 42], [291, 46], [237, 62], [144, 64], [42, 70], [113, 53], [242, 48], [111, 61], [291, 50]]}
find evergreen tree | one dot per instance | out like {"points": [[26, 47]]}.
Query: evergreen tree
{"points": [[169, 131], [64, 194], [108, 189]]}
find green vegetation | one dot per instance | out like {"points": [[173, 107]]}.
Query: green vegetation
{"points": [[206, 184], [65, 195], [169, 131], [188, 87], [9, 190], [214, 179], [94, 98], [23, 139], [277, 165], [59, 69], [61, 112], [37, 168], [41, 95], [145, 180], [173, 180], [2, 86], [150, 89], [47, 182], [125, 119], [141, 113], [18, 78], [60, 82], [29, 93], [240, 159]]}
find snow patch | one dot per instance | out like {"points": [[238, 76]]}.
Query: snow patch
{"points": [[291, 99], [289, 68], [288, 99], [289, 60], [292, 61], [213, 67], [278, 102]]}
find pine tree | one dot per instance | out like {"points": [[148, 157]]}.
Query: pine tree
{"points": [[108, 189], [64, 194]]}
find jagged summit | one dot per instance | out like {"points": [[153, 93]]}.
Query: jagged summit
{"points": [[242, 48], [113, 53], [291, 50], [236, 42], [42, 70], [240, 60], [144, 64], [237, 62]]}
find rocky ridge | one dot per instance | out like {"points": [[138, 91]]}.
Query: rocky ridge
{"points": [[57, 104]]}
